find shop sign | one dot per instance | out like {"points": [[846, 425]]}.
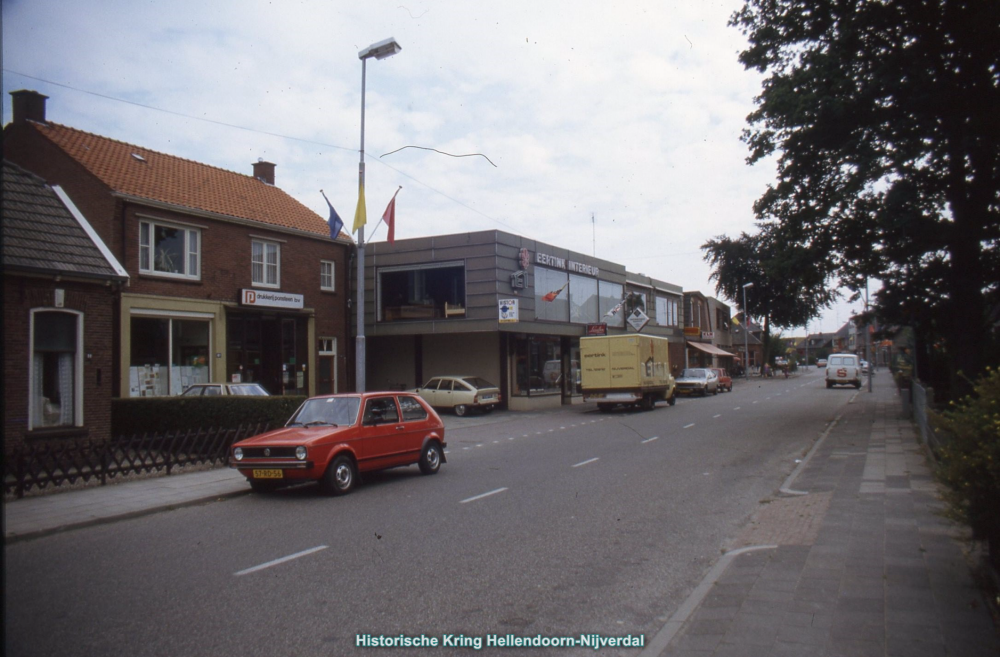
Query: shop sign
{"points": [[508, 311], [597, 329], [638, 319], [272, 299], [523, 258], [708, 335], [692, 331], [568, 265]]}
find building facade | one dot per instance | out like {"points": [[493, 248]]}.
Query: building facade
{"points": [[503, 307], [231, 279]]}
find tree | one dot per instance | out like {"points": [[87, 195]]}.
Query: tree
{"points": [[788, 289], [883, 116]]}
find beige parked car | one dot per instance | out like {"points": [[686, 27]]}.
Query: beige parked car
{"points": [[460, 393]]}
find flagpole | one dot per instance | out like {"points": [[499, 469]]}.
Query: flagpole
{"points": [[359, 349]]}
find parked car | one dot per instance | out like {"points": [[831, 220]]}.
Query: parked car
{"points": [[460, 393], [216, 389], [725, 381], [843, 369], [820, 362], [864, 368], [334, 438], [700, 380]]}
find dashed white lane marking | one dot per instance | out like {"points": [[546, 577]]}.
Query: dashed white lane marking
{"points": [[262, 566], [649, 440], [737, 408], [479, 497], [596, 458], [688, 426], [717, 415]]}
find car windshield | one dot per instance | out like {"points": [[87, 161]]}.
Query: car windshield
{"points": [[478, 383], [248, 391], [336, 411], [694, 374]]}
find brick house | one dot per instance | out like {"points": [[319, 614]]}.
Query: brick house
{"points": [[60, 283], [231, 279]]}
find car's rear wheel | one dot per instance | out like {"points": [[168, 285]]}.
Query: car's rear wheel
{"points": [[461, 410], [430, 459], [341, 476]]}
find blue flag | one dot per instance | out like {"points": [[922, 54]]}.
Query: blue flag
{"points": [[336, 223]]}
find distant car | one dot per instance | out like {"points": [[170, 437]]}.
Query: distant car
{"points": [[460, 393], [725, 381], [699, 381], [843, 369], [334, 438], [217, 389], [820, 362], [864, 367]]}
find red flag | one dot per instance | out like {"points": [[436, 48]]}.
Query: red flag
{"points": [[389, 217], [551, 296]]}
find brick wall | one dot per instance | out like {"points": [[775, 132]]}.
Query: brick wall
{"points": [[96, 302]]}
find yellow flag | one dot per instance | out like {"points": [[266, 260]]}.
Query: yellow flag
{"points": [[360, 215]]}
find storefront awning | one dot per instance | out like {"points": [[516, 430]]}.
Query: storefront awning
{"points": [[710, 349]]}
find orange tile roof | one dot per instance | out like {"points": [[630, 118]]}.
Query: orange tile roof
{"points": [[177, 181]]}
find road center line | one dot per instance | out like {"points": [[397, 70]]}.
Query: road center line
{"points": [[479, 497], [737, 408], [717, 415], [596, 458], [649, 440], [281, 560], [688, 426]]}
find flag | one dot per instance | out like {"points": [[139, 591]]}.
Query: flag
{"points": [[614, 311], [389, 217], [551, 296], [336, 223], [360, 215], [736, 320]]}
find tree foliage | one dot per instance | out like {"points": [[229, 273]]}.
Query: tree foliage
{"points": [[883, 118]]}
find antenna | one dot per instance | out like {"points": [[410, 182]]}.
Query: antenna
{"points": [[593, 223]]}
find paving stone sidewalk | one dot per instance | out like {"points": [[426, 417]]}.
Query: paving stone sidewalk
{"points": [[864, 564]]}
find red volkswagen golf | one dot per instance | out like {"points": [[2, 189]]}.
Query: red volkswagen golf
{"points": [[332, 439]]}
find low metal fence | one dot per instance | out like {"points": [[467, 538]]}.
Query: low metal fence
{"points": [[922, 402], [37, 466]]}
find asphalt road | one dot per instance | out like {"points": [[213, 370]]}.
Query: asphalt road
{"points": [[556, 524]]}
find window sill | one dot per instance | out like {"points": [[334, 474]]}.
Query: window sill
{"points": [[57, 432], [169, 279]]}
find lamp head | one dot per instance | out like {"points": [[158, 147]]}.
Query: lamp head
{"points": [[381, 50]]}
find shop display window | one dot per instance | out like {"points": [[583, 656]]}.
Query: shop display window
{"points": [[611, 297], [537, 366], [421, 292], [551, 295], [583, 304], [168, 355]]}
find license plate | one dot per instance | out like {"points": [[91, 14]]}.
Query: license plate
{"points": [[268, 474], [487, 398]]}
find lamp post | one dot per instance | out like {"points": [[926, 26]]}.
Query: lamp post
{"points": [[380, 50], [746, 333]]}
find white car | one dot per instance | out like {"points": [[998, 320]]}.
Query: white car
{"points": [[460, 393], [697, 380], [217, 389], [843, 369]]}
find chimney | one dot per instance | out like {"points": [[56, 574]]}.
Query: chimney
{"points": [[28, 106], [264, 171]]}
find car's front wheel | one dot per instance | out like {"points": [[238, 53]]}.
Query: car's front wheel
{"points": [[461, 410], [341, 476], [430, 459]]}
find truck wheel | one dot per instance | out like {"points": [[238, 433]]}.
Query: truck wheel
{"points": [[648, 402], [672, 399], [829, 384]]}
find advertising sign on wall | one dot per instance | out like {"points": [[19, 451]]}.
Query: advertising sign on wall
{"points": [[508, 311]]}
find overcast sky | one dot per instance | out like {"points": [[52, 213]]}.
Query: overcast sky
{"points": [[629, 113]]}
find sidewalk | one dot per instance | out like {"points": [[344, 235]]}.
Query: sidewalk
{"points": [[851, 558], [32, 517]]}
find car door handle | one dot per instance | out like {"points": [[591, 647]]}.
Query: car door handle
{"points": [[400, 427]]}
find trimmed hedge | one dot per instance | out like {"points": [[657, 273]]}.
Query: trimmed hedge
{"points": [[158, 415]]}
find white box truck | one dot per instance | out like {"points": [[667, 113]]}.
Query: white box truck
{"points": [[631, 370]]}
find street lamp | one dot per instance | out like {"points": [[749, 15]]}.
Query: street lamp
{"points": [[746, 334], [380, 50]]}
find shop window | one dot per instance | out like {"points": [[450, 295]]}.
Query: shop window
{"points": [[168, 355], [326, 276], [167, 250], [611, 297], [56, 370], [421, 292], [265, 262], [537, 366], [582, 299], [551, 297]]}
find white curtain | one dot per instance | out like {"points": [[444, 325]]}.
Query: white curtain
{"points": [[66, 389]]}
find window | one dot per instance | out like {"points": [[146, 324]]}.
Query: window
{"points": [[412, 410], [168, 250], [551, 297], [582, 299], [326, 275], [56, 378], [611, 299], [265, 263], [537, 366], [381, 410], [167, 355], [421, 292]]}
